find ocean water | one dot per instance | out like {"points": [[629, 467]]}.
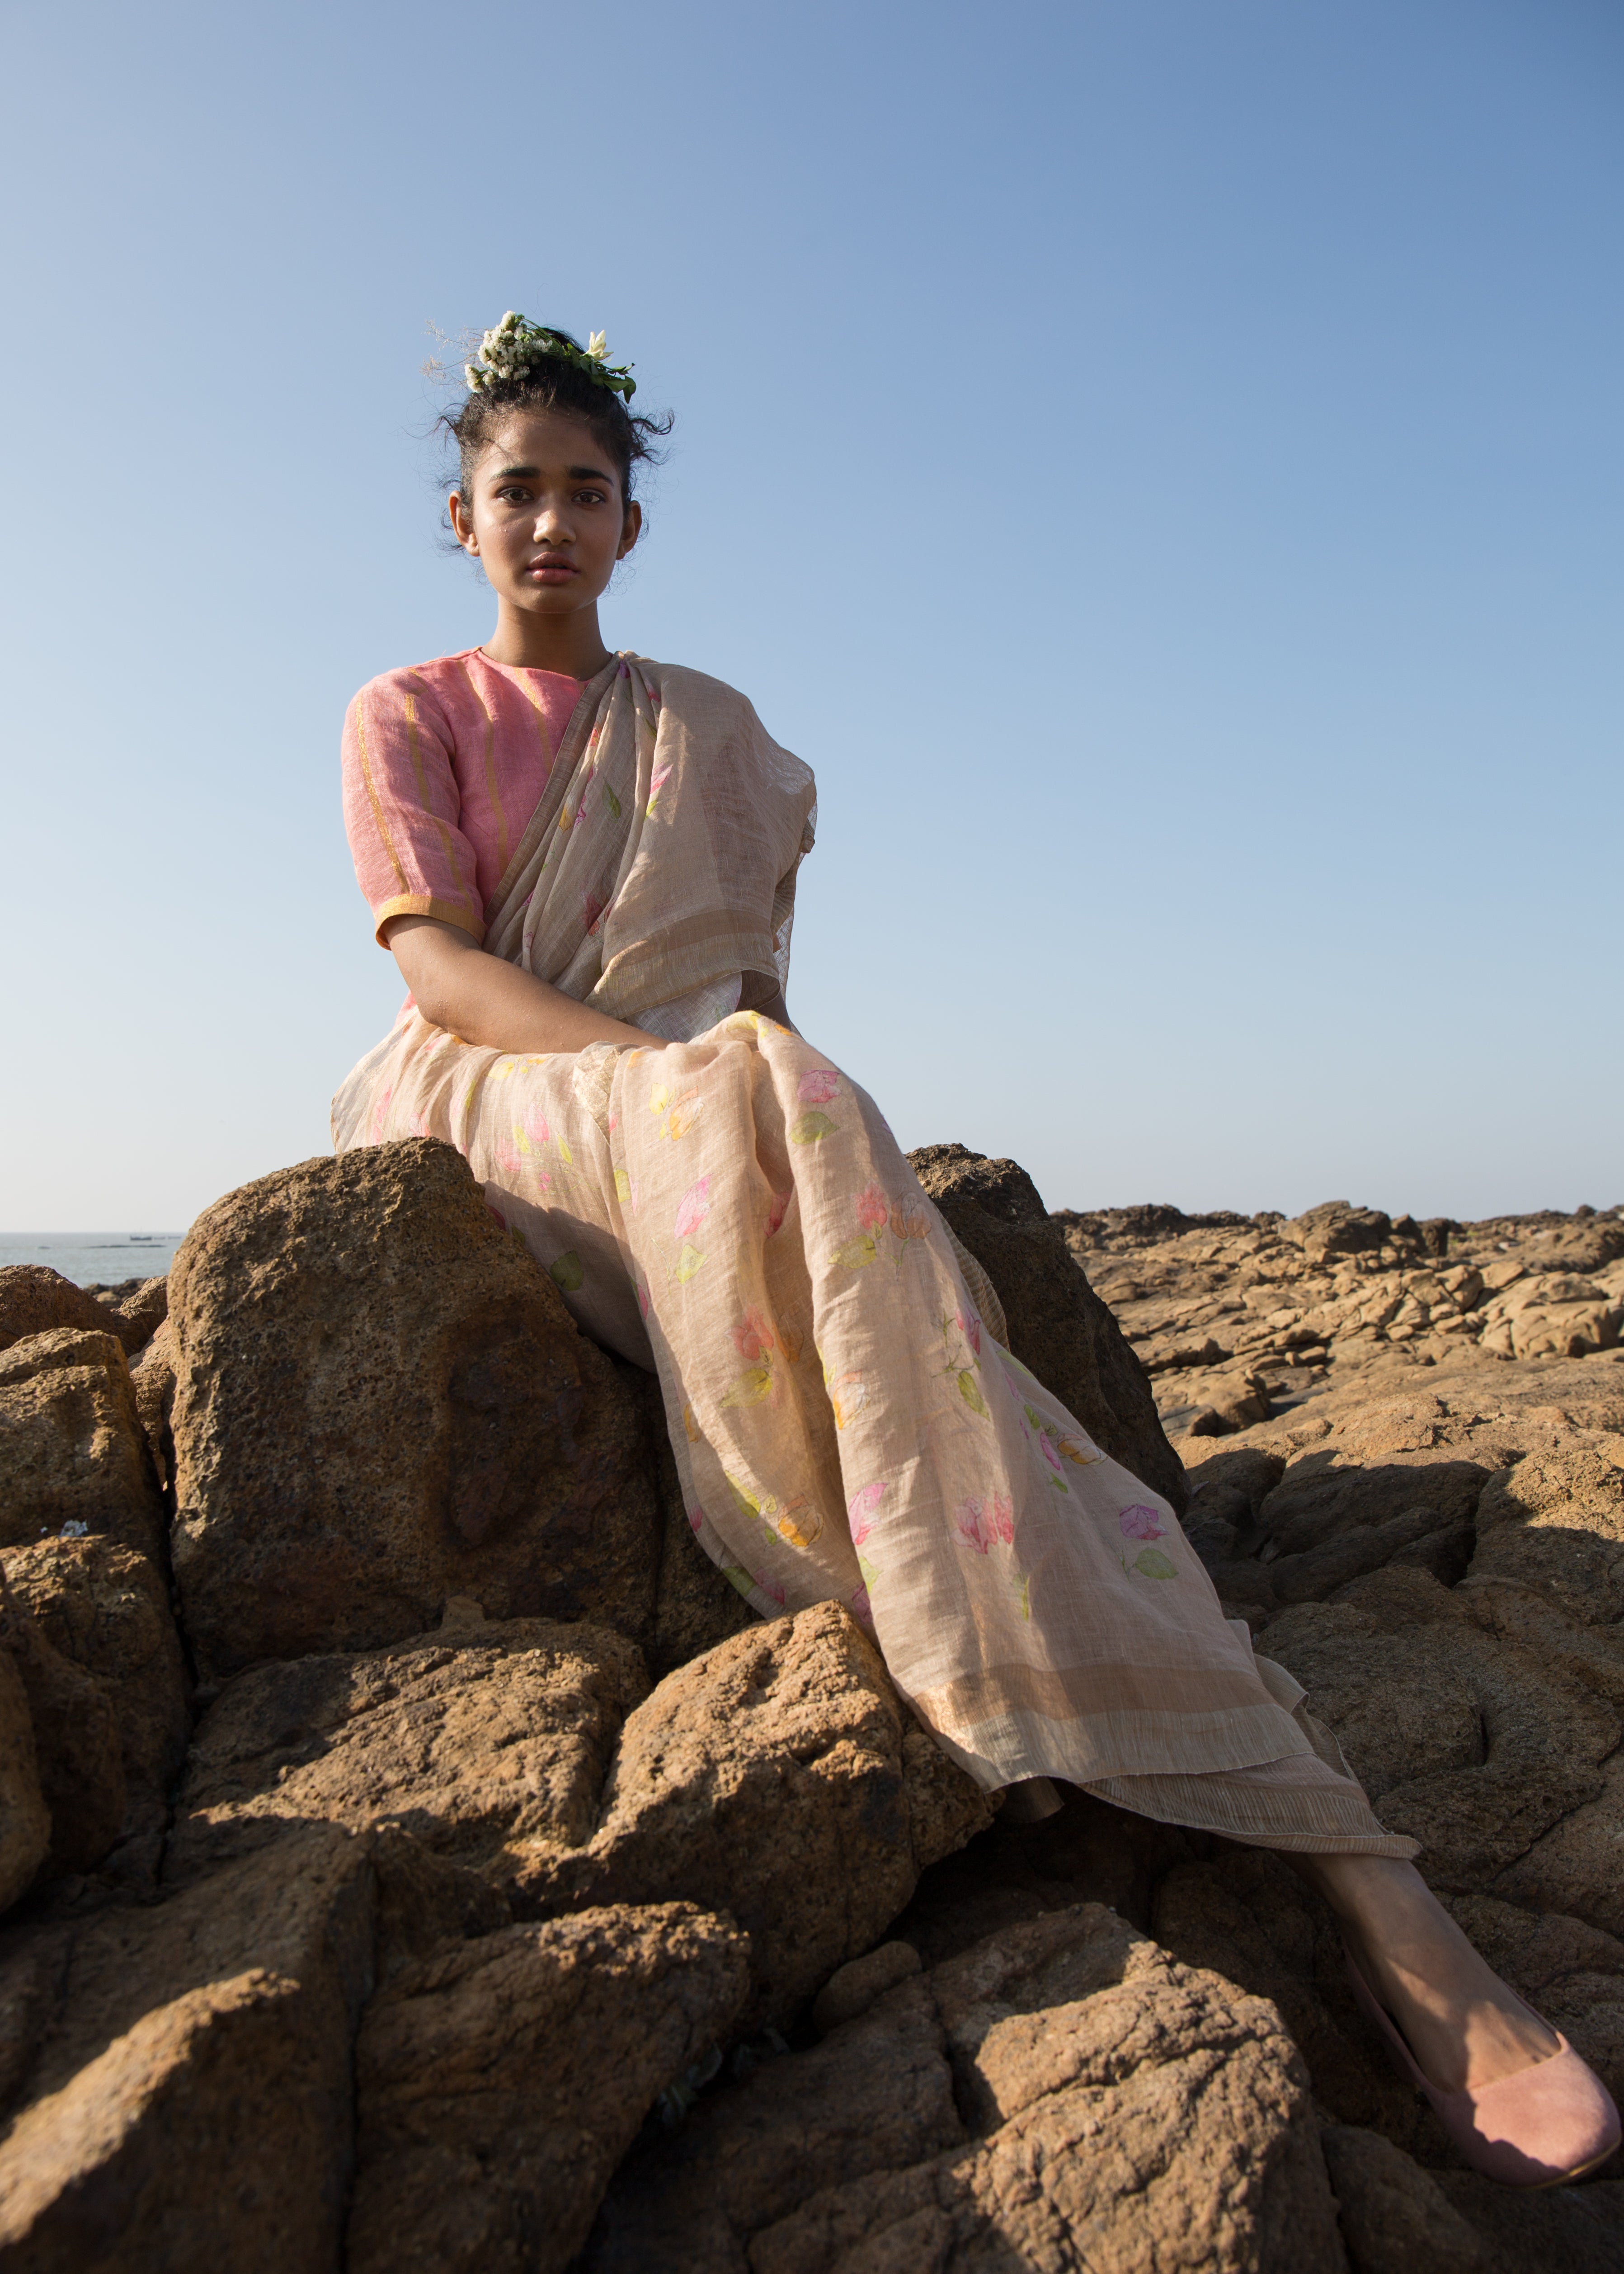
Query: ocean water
{"points": [[90, 1256]]}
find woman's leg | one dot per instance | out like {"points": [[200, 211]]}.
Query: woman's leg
{"points": [[1465, 2028]]}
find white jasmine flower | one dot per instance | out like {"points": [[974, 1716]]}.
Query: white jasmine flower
{"points": [[598, 347]]}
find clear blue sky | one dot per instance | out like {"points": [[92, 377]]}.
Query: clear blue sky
{"points": [[1160, 461]]}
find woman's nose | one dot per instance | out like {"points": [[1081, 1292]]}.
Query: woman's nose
{"points": [[550, 529]]}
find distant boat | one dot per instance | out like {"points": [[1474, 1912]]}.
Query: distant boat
{"points": [[135, 1236]]}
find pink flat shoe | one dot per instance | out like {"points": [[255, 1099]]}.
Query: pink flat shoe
{"points": [[1548, 2123]]}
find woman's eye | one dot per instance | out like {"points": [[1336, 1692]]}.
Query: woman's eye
{"points": [[588, 497]]}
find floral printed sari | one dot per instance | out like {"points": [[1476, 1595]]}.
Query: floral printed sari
{"points": [[732, 1211]]}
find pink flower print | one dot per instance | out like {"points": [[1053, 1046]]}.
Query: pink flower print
{"points": [[693, 1209], [970, 1514], [593, 909], [697, 1520], [379, 1118], [873, 1208], [1141, 1524], [818, 1087], [860, 1507], [773, 1587], [536, 1125], [753, 1339], [970, 1328], [643, 1298], [625, 671], [497, 1213], [1002, 1517], [775, 1213], [1046, 1444], [507, 1159], [861, 1608]]}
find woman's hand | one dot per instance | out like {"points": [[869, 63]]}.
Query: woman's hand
{"points": [[479, 998]]}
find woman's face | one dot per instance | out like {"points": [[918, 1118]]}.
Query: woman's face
{"points": [[547, 522]]}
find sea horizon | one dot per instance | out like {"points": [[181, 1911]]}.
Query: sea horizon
{"points": [[94, 1258]]}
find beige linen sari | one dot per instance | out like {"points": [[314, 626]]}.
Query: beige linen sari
{"points": [[732, 1211]]}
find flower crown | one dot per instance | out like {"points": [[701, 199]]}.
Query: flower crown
{"points": [[516, 343]]}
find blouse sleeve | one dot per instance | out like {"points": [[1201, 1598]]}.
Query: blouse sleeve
{"points": [[403, 805]]}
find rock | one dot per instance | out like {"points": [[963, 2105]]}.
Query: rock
{"points": [[1058, 1326], [469, 1739], [36, 1300], [1230, 1402], [154, 1378], [1555, 1522], [380, 1403], [186, 2105], [1467, 1743], [853, 1988], [72, 1451], [1062, 2095], [107, 1686], [1334, 1229], [501, 2081], [140, 1311], [1578, 2230], [1393, 2214], [25, 1820], [768, 1779], [1245, 1914]]}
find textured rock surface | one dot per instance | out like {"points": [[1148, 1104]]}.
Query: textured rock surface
{"points": [[35, 1299], [72, 1450], [25, 1820], [979, 2069], [382, 1402], [102, 1666], [481, 1733], [769, 1779], [501, 2081], [1062, 2094], [183, 2104], [1058, 1326]]}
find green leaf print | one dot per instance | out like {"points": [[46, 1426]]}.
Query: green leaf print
{"points": [[870, 1571], [564, 1154], [622, 1187], [736, 1576], [855, 1254], [1151, 1563], [688, 1264], [971, 1393], [810, 1127], [612, 801], [566, 1274], [751, 1387]]}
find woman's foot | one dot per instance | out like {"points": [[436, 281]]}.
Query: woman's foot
{"points": [[1465, 2028]]}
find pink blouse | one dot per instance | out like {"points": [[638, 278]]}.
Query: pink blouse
{"points": [[443, 763]]}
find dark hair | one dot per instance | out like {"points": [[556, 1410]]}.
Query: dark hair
{"points": [[550, 384]]}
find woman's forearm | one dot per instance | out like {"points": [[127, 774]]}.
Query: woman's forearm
{"points": [[480, 998]]}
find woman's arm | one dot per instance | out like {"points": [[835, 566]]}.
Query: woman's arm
{"points": [[481, 999]]}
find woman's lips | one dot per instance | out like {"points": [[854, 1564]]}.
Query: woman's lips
{"points": [[553, 571]]}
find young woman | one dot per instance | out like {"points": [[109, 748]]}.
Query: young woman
{"points": [[584, 865]]}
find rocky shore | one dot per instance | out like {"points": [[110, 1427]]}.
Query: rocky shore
{"points": [[414, 1857]]}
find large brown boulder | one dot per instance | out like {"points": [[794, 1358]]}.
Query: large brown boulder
{"points": [[183, 2099], [1058, 1327], [382, 1402], [1064, 2094], [102, 1666], [482, 1734], [775, 1778], [24, 1818], [72, 1451], [500, 2082], [34, 1300]]}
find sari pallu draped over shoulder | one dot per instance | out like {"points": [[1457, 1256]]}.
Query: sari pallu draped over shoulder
{"points": [[733, 1211]]}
